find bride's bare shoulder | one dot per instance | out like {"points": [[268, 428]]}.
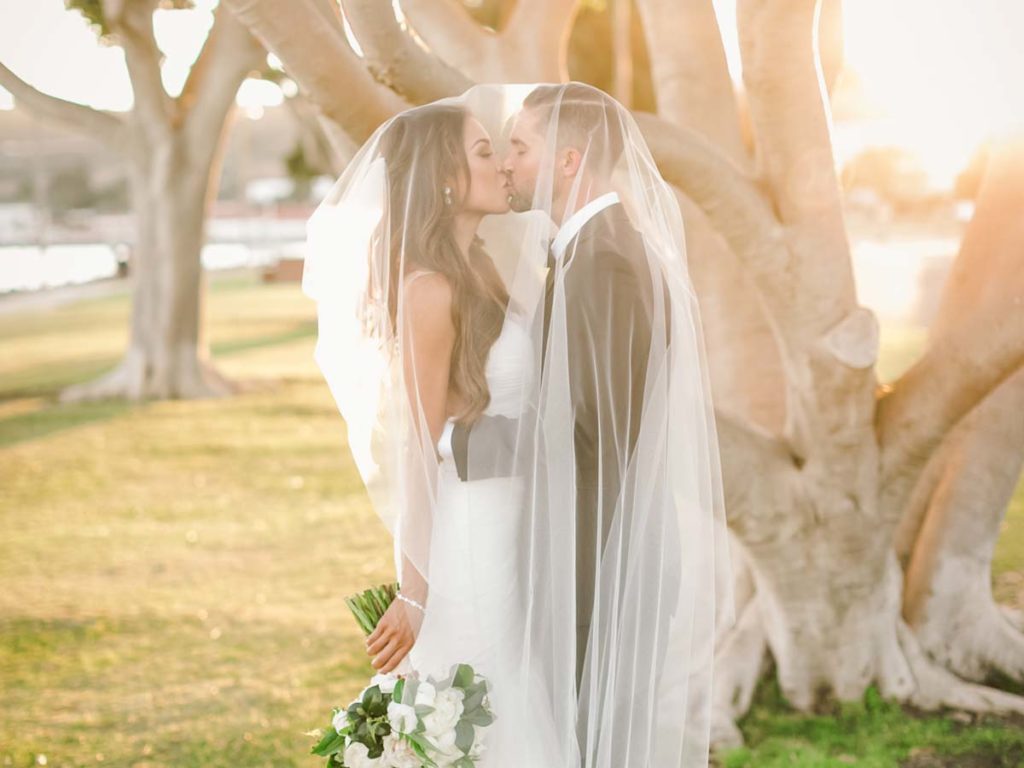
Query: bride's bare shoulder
{"points": [[426, 284], [427, 296]]}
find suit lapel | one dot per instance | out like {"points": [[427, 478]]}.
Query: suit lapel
{"points": [[586, 232]]}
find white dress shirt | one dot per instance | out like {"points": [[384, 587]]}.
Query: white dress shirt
{"points": [[571, 226]]}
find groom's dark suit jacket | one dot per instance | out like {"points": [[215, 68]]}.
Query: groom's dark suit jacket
{"points": [[609, 306]]}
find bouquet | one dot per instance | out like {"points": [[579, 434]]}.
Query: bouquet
{"points": [[401, 721]]}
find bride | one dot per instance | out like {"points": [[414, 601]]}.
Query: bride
{"points": [[527, 402]]}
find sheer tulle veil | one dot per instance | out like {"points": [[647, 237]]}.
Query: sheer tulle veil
{"points": [[620, 540]]}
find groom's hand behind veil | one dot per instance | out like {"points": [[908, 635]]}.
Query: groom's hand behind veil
{"points": [[493, 444], [394, 635]]}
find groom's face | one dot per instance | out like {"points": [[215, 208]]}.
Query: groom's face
{"points": [[522, 163]]}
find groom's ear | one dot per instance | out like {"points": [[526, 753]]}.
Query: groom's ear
{"points": [[569, 162]]}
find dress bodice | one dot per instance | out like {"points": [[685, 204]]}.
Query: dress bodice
{"points": [[509, 366]]}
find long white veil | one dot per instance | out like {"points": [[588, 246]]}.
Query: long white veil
{"points": [[620, 541]]}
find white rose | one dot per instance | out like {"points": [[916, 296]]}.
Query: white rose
{"points": [[402, 717], [340, 719], [398, 753], [446, 753], [358, 756], [447, 711], [425, 694], [443, 742], [385, 681]]}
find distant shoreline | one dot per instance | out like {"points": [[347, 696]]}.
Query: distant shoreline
{"points": [[49, 298]]}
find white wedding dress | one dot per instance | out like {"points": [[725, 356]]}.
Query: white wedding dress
{"points": [[474, 606]]}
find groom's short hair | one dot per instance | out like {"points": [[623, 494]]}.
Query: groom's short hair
{"points": [[586, 115]]}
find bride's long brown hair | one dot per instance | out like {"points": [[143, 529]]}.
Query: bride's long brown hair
{"points": [[424, 150]]}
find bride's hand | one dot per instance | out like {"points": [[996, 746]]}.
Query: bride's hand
{"points": [[393, 636]]}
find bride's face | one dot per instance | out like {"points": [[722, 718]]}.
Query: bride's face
{"points": [[487, 193]]}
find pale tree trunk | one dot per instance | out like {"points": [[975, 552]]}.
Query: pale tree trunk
{"points": [[173, 148], [954, 514], [167, 356], [830, 489], [818, 523]]}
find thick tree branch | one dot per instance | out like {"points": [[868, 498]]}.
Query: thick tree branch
{"points": [[313, 35], [791, 126], [730, 198], [780, 72], [132, 23], [738, 211], [691, 76], [449, 30], [229, 54], [536, 15], [532, 46], [969, 352], [539, 30], [395, 59], [92, 122], [949, 570], [927, 402], [746, 371]]}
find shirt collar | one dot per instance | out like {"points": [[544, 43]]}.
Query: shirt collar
{"points": [[571, 227]]}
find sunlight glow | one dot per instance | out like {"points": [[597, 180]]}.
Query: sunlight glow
{"points": [[942, 75], [945, 74], [180, 35]]}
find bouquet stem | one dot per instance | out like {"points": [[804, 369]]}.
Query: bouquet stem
{"points": [[369, 605]]}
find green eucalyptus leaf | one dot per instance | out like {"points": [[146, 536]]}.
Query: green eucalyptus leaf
{"points": [[464, 734], [463, 676]]}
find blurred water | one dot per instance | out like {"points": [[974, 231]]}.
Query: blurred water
{"points": [[30, 268], [898, 279]]}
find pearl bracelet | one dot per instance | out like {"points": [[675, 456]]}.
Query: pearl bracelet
{"points": [[410, 601]]}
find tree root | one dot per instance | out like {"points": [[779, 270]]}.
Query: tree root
{"points": [[937, 687], [131, 380], [905, 674], [740, 661], [979, 638]]}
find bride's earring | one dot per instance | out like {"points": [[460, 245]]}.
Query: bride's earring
{"points": [[447, 195]]}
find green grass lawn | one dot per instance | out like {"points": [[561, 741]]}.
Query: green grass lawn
{"points": [[173, 573]]}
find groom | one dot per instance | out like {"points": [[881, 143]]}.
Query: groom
{"points": [[608, 309]]}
